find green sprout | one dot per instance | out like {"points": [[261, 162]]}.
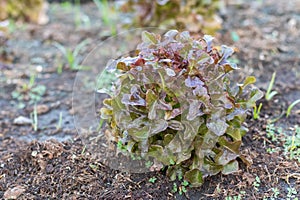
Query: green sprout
{"points": [[148, 164], [34, 118], [58, 126], [29, 91], [276, 192], [152, 179], [292, 144], [288, 112], [256, 183], [291, 192], [256, 111], [175, 188], [270, 94], [270, 129], [108, 15], [72, 57]]}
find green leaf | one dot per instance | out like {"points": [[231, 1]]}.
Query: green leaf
{"points": [[139, 134], [232, 146], [291, 107], [167, 139], [218, 126], [230, 168], [39, 90], [194, 177], [156, 151], [249, 80], [234, 133], [157, 127], [149, 37], [106, 113], [151, 104]]}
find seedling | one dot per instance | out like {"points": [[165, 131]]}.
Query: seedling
{"points": [[108, 15], [59, 68], [182, 188], [288, 112], [148, 164], [270, 94], [174, 189], [256, 111], [80, 19], [34, 118], [292, 144], [236, 197], [152, 179], [239, 197], [29, 91], [58, 126], [100, 125], [276, 192], [83, 150], [256, 183], [270, 129], [72, 57], [291, 192], [271, 150]]}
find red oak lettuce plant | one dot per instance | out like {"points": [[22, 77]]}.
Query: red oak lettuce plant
{"points": [[174, 102]]}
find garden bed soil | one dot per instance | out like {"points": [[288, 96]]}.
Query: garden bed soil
{"points": [[53, 163]]}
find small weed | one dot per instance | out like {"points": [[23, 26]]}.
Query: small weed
{"points": [[83, 150], [29, 91], [256, 183], [271, 150], [59, 68], [271, 132], [34, 118], [276, 192], [175, 188], [11, 26], [58, 126], [291, 192], [256, 111], [292, 144], [72, 57], [182, 188], [288, 112], [121, 147], [236, 197], [108, 15], [152, 179], [270, 94], [94, 167], [101, 121], [66, 5], [135, 157], [179, 175], [80, 18], [148, 164]]}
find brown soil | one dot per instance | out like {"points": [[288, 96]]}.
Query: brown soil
{"points": [[52, 163]]}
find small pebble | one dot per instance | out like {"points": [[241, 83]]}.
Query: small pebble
{"points": [[21, 120]]}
